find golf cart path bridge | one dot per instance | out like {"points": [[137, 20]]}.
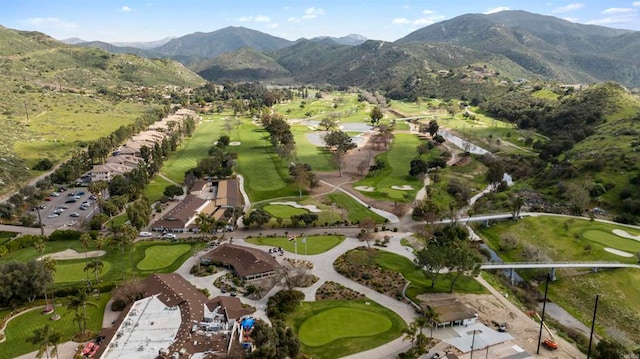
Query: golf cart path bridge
{"points": [[532, 265]]}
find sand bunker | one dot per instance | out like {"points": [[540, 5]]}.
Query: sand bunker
{"points": [[73, 254], [364, 188], [624, 234], [618, 252], [309, 207], [406, 187], [235, 143]]}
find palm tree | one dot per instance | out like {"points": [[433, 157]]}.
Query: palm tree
{"points": [[431, 317], [204, 223], [80, 301], [45, 337], [410, 333], [96, 266], [40, 247], [121, 238], [85, 239]]}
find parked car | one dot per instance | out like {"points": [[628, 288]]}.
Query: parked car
{"points": [[53, 215], [145, 234], [55, 194], [74, 214], [71, 200], [72, 222], [169, 236], [93, 197]]}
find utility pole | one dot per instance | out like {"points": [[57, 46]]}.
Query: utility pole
{"points": [[544, 305], [593, 324]]}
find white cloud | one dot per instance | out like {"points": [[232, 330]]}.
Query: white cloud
{"points": [[496, 9], [614, 20], [635, 3], [568, 7], [427, 12], [428, 20], [294, 19], [312, 13], [401, 21], [50, 23], [273, 26], [127, 9], [259, 18], [618, 10]]}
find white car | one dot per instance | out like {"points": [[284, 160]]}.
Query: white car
{"points": [[145, 234], [53, 215], [72, 222], [169, 236]]}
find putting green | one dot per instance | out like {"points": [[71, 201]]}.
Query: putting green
{"points": [[609, 239], [67, 272], [157, 257], [337, 323], [282, 211]]}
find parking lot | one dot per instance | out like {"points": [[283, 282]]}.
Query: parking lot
{"points": [[65, 209]]}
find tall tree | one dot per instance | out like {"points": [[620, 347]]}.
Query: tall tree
{"points": [[340, 143], [375, 115], [95, 266]]}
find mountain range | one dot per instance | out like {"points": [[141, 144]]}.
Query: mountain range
{"points": [[513, 43]]}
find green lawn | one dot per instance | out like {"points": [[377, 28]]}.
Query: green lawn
{"points": [[420, 284], [266, 176], [158, 257], [315, 244], [318, 158], [337, 323], [396, 172], [155, 188], [192, 150], [357, 212], [608, 239], [72, 271], [333, 329], [22, 326], [283, 211]]}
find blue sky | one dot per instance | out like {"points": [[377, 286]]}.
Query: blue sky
{"points": [[146, 20]]}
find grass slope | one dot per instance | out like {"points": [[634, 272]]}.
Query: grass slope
{"points": [[159, 257], [567, 239], [22, 327]]}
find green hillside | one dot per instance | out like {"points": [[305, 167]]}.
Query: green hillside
{"points": [[54, 97]]}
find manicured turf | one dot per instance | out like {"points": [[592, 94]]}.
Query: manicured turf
{"points": [[266, 176], [608, 239], [396, 172], [283, 211], [315, 244], [345, 327], [73, 271], [155, 188], [158, 257], [338, 323], [21, 327], [357, 212], [420, 284], [192, 150]]}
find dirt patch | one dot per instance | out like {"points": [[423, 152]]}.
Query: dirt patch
{"points": [[491, 312]]}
